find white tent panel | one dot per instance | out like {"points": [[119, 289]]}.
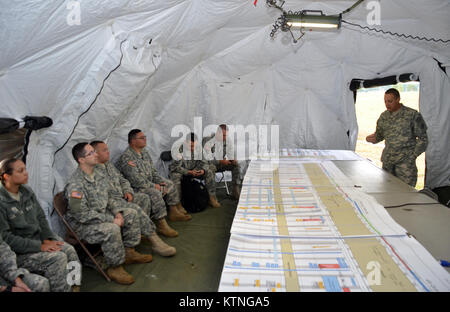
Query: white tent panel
{"points": [[212, 59]]}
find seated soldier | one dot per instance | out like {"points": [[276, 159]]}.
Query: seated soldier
{"points": [[18, 280], [97, 221], [190, 166], [226, 159], [122, 195], [25, 229], [137, 167]]}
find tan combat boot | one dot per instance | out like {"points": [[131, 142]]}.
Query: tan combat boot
{"points": [[213, 201], [175, 215], [164, 229], [160, 247], [236, 192], [76, 288], [119, 275], [181, 209], [132, 256]]}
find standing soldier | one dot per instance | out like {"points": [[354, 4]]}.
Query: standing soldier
{"points": [[122, 195], [25, 229], [137, 167], [97, 221], [18, 280], [193, 167], [405, 135]]}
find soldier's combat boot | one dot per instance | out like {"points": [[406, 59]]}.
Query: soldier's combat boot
{"points": [[213, 201], [164, 228], [132, 256], [119, 275], [160, 247], [175, 215], [181, 209]]}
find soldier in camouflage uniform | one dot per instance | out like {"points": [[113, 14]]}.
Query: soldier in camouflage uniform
{"points": [[198, 168], [226, 159], [25, 229], [18, 278], [137, 167], [405, 135], [122, 195], [98, 220]]}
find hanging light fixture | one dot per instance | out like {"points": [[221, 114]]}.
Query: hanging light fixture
{"points": [[313, 20], [307, 21]]}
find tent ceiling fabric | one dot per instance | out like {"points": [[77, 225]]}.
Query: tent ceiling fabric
{"points": [[212, 59]]}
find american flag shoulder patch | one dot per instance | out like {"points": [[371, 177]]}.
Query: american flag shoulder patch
{"points": [[76, 194]]}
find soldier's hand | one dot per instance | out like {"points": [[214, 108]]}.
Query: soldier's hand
{"points": [[18, 289], [200, 172], [53, 242], [118, 219], [19, 283], [128, 197], [371, 138], [158, 187], [223, 162], [49, 246], [48, 241]]}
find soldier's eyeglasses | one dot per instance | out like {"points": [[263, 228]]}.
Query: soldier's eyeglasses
{"points": [[141, 138], [89, 154]]}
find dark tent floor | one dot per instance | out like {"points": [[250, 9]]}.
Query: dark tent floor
{"points": [[201, 248]]}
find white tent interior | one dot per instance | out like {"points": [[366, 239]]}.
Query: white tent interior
{"points": [[155, 64]]}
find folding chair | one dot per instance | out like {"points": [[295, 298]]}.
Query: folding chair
{"points": [[166, 158], [60, 205], [220, 177]]}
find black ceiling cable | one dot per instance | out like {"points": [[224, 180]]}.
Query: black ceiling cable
{"points": [[281, 23], [90, 106], [386, 32], [353, 6]]}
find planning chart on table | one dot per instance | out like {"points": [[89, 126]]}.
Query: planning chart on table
{"points": [[301, 225]]}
